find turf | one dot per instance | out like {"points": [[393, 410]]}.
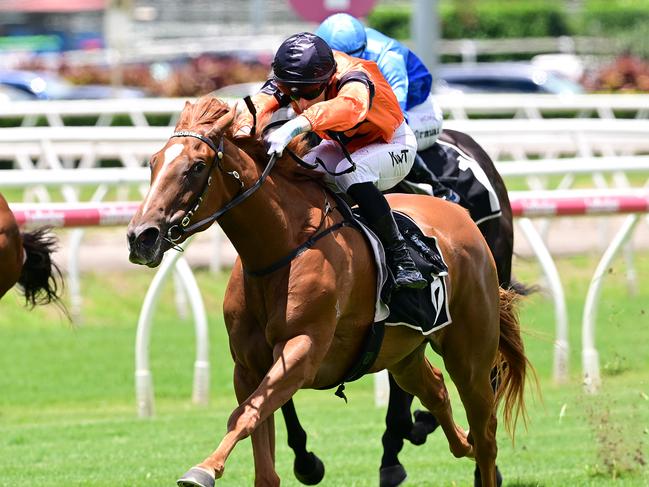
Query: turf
{"points": [[68, 417]]}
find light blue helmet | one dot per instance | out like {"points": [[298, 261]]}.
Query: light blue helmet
{"points": [[343, 32]]}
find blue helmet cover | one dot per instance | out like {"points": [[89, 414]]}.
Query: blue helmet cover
{"points": [[343, 32]]}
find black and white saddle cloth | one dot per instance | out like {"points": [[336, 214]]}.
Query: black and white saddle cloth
{"points": [[462, 173], [425, 309]]}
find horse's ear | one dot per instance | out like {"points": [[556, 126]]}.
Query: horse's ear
{"points": [[222, 123]]}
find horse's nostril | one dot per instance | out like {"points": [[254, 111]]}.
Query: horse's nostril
{"points": [[130, 237], [148, 237]]}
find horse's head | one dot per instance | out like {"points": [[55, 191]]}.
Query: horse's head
{"points": [[181, 173]]}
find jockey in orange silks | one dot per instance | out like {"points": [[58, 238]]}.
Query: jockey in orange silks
{"points": [[350, 105]]}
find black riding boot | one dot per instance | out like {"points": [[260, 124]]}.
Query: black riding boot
{"points": [[374, 207], [421, 174]]}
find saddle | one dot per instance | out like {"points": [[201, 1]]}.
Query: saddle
{"points": [[424, 309]]}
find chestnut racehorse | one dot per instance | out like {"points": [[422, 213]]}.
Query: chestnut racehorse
{"points": [[25, 259], [301, 297]]}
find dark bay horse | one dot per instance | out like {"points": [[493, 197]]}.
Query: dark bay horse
{"points": [[26, 260], [297, 315]]}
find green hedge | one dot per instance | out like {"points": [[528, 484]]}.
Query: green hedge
{"points": [[485, 19], [601, 18]]}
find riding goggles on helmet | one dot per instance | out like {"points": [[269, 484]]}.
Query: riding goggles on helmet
{"points": [[309, 91]]}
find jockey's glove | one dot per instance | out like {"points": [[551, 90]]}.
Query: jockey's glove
{"points": [[279, 139]]}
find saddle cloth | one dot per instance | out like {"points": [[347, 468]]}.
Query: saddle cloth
{"points": [[460, 172], [425, 309]]}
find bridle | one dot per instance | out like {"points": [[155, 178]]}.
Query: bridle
{"points": [[176, 232]]}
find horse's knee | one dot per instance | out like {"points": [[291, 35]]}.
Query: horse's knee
{"points": [[244, 419]]}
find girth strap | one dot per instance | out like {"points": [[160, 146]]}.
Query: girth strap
{"points": [[371, 349]]}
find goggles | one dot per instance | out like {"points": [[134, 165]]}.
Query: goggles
{"points": [[306, 91], [358, 52]]}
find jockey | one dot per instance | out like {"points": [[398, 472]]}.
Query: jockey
{"points": [[407, 75], [409, 78], [346, 101]]}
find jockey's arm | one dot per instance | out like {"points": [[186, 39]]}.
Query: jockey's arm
{"points": [[265, 101], [394, 70], [343, 112]]}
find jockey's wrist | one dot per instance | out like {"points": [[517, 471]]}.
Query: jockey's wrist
{"points": [[297, 126]]}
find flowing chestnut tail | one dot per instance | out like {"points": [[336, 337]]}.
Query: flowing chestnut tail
{"points": [[40, 280], [512, 364]]}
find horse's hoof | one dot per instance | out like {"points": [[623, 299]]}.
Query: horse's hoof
{"points": [[309, 470], [196, 477], [392, 476], [477, 481], [425, 423]]}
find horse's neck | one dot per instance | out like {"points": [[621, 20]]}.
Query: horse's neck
{"points": [[271, 222]]}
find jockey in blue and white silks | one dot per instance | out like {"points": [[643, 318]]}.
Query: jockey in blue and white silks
{"points": [[407, 75]]}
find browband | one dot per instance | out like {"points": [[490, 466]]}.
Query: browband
{"points": [[196, 135]]}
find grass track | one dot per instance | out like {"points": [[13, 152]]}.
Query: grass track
{"points": [[67, 413]]}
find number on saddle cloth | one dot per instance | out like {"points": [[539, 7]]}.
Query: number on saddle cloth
{"points": [[424, 309]]}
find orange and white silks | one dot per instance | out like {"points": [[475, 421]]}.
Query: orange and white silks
{"points": [[359, 103]]}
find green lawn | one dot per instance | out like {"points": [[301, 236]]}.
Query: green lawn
{"points": [[68, 417]]}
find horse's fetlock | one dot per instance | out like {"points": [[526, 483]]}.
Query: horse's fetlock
{"points": [[271, 480]]}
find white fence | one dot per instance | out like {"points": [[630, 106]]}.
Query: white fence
{"points": [[525, 205], [55, 147], [619, 143], [455, 106]]}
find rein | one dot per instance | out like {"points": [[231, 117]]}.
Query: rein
{"points": [[318, 163], [310, 242], [185, 226], [176, 232]]}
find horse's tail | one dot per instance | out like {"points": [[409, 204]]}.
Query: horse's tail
{"points": [[520, 288], [512, 364], [40, 280]]}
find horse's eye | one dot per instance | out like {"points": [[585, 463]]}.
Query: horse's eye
{"points": [[198, 167]]}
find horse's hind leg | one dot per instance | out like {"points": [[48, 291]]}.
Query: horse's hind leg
{"points": [[479, 403], [473, 380], [307, 467], [416, 375]]}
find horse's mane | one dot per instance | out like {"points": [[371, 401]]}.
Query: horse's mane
{"points": [[206, 111]]}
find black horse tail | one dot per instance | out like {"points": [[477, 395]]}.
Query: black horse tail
{"points": [[41, 281], [520, 288]]}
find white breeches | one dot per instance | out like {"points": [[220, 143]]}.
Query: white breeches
{"points": [[383, 163], [426, 120]]}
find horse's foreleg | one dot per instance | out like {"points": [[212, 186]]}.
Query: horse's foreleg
{"points": [[293, 365], [398, 424]]}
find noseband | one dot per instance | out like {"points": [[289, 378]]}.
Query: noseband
{"points": [[176, 232]]}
